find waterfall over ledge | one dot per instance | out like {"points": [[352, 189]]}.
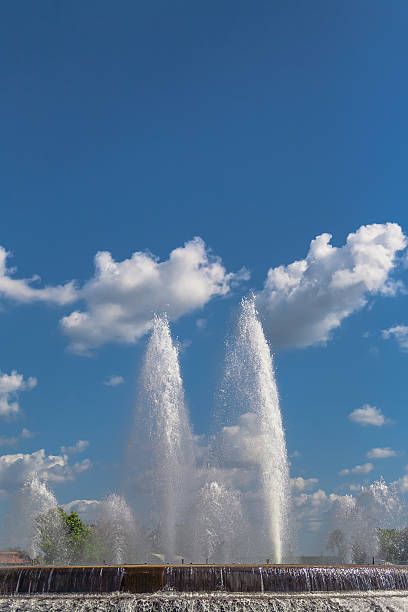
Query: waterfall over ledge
{"points": [[201, 578]]}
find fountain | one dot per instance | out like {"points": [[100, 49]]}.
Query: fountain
{"points": [[217, 524], [250, 386], [36, 514], [120, 532], [357, 519], [196, 511], [164, 443]]}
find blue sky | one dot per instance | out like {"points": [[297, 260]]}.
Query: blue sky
{"points": [[135, 127]]}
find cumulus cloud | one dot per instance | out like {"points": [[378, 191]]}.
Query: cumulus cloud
{"points": [[88, 509], [16, 468], [381, 453], [402, 483], [122, 297], [368, 415], [241, 444], [10, 386], [358, 469], [304, 302], [21, 289], [80, 466], [114, 381], [399, 333], [303, 484], [78, 447], [310, 509], [314, 499]]}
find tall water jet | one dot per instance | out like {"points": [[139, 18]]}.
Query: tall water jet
{"points": [[250, 387], [163, 420]]}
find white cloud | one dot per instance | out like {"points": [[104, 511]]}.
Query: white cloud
{"points": [[114, 381], [294, 454], [16, 468], [399, 333], [241, 444], [302, 303], [381, 453], [26, 433], [310, 512], [78, 447], [303, 484], [358, 469], [88, 509], [402, 483], [314, 499], [81, 466], [368, 415], [122, 297], [201, 323], [20, 290], [10, 386]]}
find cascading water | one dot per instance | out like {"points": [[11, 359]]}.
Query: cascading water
{"points": [[250, 387], [163, 421]]}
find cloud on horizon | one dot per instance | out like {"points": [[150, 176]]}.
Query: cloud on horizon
{"points": [[16, 468], [88, 509], [302, 303], [303, 484]]}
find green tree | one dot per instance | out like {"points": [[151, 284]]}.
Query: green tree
{"points": [[52, 536], [78, 535], [393, 545], [336, 543], [65, 538]]}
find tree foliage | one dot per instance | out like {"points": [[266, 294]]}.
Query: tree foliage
{"points": [[337, 544], [65, 538], [393, 545]]}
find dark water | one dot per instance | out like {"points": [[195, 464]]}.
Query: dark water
{"points": [[368, 601]]}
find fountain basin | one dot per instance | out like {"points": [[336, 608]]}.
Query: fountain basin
{"points": [[201, 578]]}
